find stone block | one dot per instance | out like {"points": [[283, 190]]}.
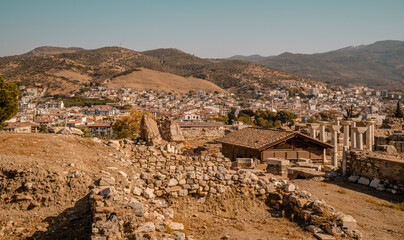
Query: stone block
{"points": [[290, 187], [348, 222], [323, 236], [175, 226], [364, 181], [375, 183], [353, 178]]}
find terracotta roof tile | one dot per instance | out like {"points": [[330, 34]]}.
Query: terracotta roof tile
{"points": [[258, 138], [255, 138]]}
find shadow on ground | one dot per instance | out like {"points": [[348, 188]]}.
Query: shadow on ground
{"points": [[72, 223], [395, 198]]}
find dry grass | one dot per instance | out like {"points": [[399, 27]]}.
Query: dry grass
{"points": [[161, 81], [397, 206], [341, 191]]}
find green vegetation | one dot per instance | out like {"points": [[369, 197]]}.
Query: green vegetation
{"points": [[125, 72], [268, 119], [82, 101], [8, 101], [128, 126], [342, 191], [260, 118], [398, 113], [124, 107]]}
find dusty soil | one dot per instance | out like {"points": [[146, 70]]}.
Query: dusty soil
{"points": [[155, 80], [237, 217], [62, 169], [375, 222]]}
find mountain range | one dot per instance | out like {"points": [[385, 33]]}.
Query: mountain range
{"points": [[65, 70], [379, 65]]}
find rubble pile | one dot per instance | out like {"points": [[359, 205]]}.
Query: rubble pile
{"points": [[319, 218]]}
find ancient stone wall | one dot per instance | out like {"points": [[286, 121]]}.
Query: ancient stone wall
{"points": [[380, 173], [203, 133], [136, 208]]}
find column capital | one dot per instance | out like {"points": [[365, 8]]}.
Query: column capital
{"points": [[334, 128], [359, 130], [346, 122], [314, 126]]}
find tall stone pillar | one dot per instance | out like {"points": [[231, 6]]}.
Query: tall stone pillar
{"points": [[313, 129], [322, 132], [359, 135], [369, 143], [343, 164], [353, 136], [334, 129], [346, 125]]}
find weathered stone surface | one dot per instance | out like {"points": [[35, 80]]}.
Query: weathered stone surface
{"points": [[353, 178], [149, 130], [290, 187], [137, 207], [105, 181], [172, 182], [146, 227], [149, 193], [323, 236], [364, 181], [375, 183], [175, 226], [348, 222], [170, 130]]}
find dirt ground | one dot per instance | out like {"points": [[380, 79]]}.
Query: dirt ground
{"points": [[238, 217], [50, 161], [374, 221]]}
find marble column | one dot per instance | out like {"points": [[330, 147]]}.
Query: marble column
{"points": [[313, 129], [369, 144], [346, 125], [334, 129], [322, 132], [359, 136], [353, 136]]}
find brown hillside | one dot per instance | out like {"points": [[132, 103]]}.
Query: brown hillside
{"points": [[48, 51], [149, 79], [67, 72]]}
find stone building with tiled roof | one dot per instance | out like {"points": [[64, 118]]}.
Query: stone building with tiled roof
{"points": [[272, 143]]}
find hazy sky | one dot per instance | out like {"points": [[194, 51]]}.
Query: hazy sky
{"points": [[206, 28]]}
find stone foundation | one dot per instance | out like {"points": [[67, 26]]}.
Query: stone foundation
{"points": [[385, 173]]}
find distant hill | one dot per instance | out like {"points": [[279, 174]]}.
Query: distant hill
{"points": [[48, 51], [379, 65], [66, 70], [146, 79]]}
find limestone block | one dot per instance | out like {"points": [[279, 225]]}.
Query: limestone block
{"points": [[364, 181], [348, 222], [353, 178]]}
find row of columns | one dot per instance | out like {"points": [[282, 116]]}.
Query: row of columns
{"points": [[355, 138]]}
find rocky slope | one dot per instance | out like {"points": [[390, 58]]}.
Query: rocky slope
{"points": [[379, 65]]}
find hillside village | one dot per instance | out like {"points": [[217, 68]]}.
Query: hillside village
{"points": [[38, 111], [188, 165]]}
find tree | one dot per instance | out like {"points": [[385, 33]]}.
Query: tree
{"points": [[128, 126], [398, 113], [231, 116], [8, 101], [350, 113]]}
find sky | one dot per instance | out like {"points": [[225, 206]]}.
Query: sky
{"points": [[205, 28]]}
